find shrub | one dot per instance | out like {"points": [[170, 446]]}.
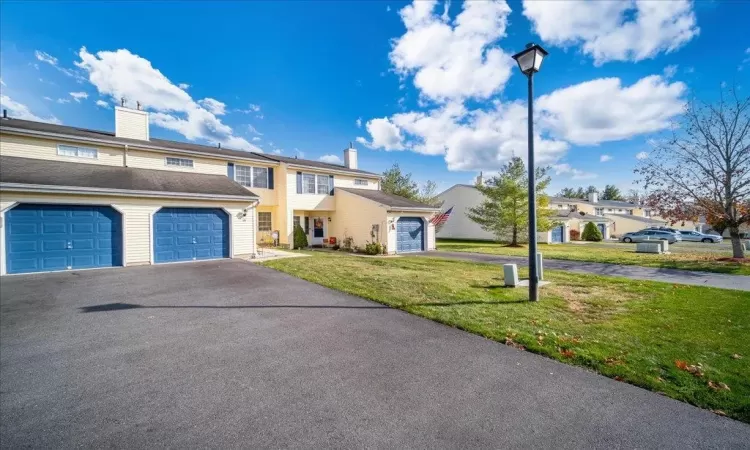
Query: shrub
{"points": [[348, 243], [300, 238], [591, 233], [336, 246], [575, 235], [373, 248]]}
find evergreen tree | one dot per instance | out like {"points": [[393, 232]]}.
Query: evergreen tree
{"points": [[505, 209], [397, 183], [611, 193], [591, 233]]}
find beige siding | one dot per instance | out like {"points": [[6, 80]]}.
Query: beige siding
{"points": [[27, 147], [355, 217], [137, 216], [348, 182], [154, 160], [131, 123], [322, 202]]}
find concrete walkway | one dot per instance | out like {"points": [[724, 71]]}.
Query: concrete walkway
{"points": [[718, 280]]}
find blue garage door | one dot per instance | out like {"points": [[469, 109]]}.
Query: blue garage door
{"points": [[409, 234], [189, 234], [557, 234], [44, 238], [603, 229]]}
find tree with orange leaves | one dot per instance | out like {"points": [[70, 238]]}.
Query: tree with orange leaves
{"points": [[703, 168]]}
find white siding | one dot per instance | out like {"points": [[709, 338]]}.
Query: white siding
{"points": [[131, 123], [348, 182], [459, 226], [28, 147], [137, 216], [157, 161]]}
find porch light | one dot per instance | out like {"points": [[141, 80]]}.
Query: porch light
{"points": [[530, 59]]}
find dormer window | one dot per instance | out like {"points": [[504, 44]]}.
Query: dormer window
{"points": [[179, 162]]}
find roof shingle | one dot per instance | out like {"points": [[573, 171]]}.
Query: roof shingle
{"points": [[55, 173], [389, 200]]}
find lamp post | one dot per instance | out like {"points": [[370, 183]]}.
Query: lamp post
{"points": [[529, 61]]}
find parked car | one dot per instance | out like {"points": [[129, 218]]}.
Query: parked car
{"points": [[669, 229], [651, 235], [694, 236]]}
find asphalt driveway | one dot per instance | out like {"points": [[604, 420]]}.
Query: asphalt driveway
{"points": [[228, 354]]}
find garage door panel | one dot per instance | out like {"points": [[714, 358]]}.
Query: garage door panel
{"points": [[54, 228], [187, 234], [409, 234], [59, 237]]}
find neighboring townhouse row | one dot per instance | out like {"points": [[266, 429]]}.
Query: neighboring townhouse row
{"points": [[74, 198], [611, 217]]}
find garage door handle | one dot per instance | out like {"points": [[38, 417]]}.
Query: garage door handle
{"points": [[195, 241], [70, 245]]}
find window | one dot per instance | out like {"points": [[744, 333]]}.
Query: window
{"points": [[646, 213], [264, 221], [322, 184], [243, 175], [598, 211], [251, 176], [77, 152], [260, 177], [296, 222], [360, 182], [179, 162], [308, 183]]}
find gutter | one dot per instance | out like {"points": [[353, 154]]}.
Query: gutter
{"points": [[342, 172], [413, 209], [136, 146], [49, 189]]}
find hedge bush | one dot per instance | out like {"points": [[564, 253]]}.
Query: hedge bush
{"points": [[591, 233], [300, 238]]}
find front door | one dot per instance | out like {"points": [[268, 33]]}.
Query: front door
{"points": [[318, 232]]}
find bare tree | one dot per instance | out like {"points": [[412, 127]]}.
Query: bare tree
{"points": [[703, 169]]}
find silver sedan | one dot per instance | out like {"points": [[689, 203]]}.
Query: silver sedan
{"points": [[650, 236], [694, 236]]}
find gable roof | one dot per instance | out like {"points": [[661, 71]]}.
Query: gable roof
{"points": [[18, 125], [40, 174], [610, 203], [648, 220], [389, 200]]}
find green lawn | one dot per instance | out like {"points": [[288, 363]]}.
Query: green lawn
{"points": [[689, 256], [635, 331]]}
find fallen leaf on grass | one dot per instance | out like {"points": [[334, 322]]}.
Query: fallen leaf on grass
{"points": [[613, 361], [736, 356], [718, 386], [619, 378], [719, 412], [695, 369], [566, 353], [511, 343]]}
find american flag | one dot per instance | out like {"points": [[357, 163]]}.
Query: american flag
{"points": [[442, 217]]}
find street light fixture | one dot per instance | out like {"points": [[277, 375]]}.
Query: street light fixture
{"points": [[529, 61]]}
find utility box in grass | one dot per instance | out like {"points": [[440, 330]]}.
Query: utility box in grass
{"points": [[648, 247]]}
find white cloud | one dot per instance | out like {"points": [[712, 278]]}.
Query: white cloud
{"points": [[63, 101], [78, 96], [359, 122], [605, 158], [121, 73], [183, 86], [575, 174], [631, 30], [746, 60], [253, 130], [331, 159], [18, 110], [278, 151], [102, 104], [670, 71], [384, 135], [45, 57], [641, 155], [388, 8], [214, 106], [255, 139], [251, 108], [458, 60], [2, 83], [47, 98], [51, 60], [602, 110]]}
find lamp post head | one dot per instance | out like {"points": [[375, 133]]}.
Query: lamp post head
{"points": [[530, 59]]}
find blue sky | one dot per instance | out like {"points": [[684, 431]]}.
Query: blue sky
{"points": [[430, 86]]}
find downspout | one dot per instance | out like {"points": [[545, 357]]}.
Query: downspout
{"points": [[125, 157]]}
